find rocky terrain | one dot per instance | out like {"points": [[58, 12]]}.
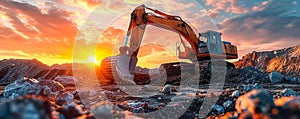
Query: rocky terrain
{"points": [[260, 87], [286, 61], [12, 69]]}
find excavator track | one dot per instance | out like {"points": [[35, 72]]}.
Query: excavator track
{"points": [[176, 68]]}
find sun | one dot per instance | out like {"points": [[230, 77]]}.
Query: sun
{"points": [[92, 59]]}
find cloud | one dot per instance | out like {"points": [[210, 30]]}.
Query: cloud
{"points": [[150, 48], [80, 4], [152, 55], [230, 6], [113, 35], [214, 13], [271, 28], [32, 31], [260, 7], [14, 54]]}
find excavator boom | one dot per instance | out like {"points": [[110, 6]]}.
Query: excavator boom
{"points": [[140, 19]]}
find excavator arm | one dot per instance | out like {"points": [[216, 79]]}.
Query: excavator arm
{"points": [[140, 19]]}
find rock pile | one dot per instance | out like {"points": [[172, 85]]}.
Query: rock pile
{"points": [[285, 61], [12, 69], [259, 104]]}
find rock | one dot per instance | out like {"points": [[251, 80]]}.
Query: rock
{"points": [[102, 110], [158, 98], [50, 88], [11, 69], [66, 81], [29, 107], [70, 110], [251, 87], [294, 80], [293, 103], [256, 101], [167, 89], [227, 103], [65, 97], [14, 95], [283, 60], [275, 77], [53, 85], [106, 110], [134, 104], [218, 108], [283, 100], [290, 79], [288, 92], [138, 110], [252, 75], [236, 93], [24, 86], [257, 86], [241, 87]]}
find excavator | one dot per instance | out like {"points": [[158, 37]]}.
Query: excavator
{"points": [[198, 49]]}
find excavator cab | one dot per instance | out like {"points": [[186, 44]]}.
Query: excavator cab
{"points": [[211, 46], [213, 43]]}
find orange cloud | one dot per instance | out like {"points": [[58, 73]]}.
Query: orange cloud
{"points": [[81, 4], [35, 33], [149, 49], [151, 55]]}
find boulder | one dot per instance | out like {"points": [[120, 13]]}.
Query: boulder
{"points": [[227, 103], [252, 75], [236, 93], [275, 77], [71, 110], [288, 92], [241, 87], [64, 98], [29, 107], [253, 86], [256, 101], [66, 81], [218, 109], [294, 103], [24, 86], [103, 110], [167, 89], [284, 100], [53, 85]]}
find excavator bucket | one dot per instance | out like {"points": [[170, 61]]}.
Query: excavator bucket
{"points": [[118, 67], [122, 65]]}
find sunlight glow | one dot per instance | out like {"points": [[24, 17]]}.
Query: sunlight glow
{"points": [[92, 59]]}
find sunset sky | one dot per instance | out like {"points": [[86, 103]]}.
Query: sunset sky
{"points": [[50, 30]]}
